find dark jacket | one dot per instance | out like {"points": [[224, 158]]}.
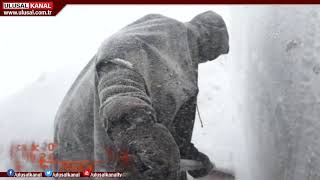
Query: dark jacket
{"points": [[147, 72]]}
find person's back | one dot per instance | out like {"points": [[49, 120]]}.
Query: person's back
{"points": [[133, 95]]}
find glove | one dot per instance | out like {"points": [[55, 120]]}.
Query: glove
{"points": [[152, 151], [192, 153]]}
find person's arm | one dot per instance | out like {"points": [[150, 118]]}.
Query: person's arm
{"points": [[130, 121], [123, 95]]}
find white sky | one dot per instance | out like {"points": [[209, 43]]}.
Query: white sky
{"points": [[30, 46]]}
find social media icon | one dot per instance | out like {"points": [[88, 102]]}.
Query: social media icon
{"points": [[10, 172], [87, 172], [48, 173]]}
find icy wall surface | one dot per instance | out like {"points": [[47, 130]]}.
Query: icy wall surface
{"points": [[280, 47]]}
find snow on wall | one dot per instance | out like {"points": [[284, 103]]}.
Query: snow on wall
{"points": [[280, 48]]}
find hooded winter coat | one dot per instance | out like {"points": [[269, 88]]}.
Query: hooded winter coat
{"points": [[143, 75]]}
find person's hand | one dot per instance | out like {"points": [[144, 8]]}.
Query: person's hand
{"points": [[191, 152], [207, 166], [153, 153]]}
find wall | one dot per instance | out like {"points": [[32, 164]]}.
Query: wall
{"points": [[278, 47]]}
